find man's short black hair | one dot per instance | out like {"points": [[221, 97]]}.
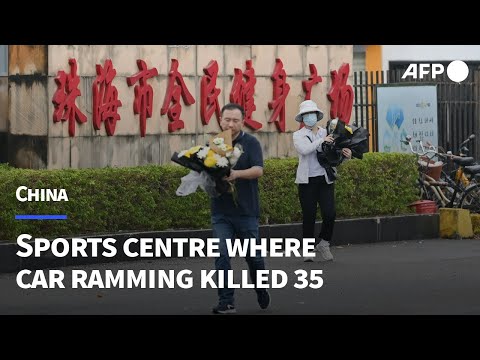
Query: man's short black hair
{"points": [[233, 106]]}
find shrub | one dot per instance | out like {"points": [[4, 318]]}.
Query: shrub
{"points": [[143, 198]]}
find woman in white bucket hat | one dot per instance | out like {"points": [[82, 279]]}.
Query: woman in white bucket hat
{"points": [[314, 186]]}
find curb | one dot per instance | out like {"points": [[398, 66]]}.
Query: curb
{"points": [[347, 232]]}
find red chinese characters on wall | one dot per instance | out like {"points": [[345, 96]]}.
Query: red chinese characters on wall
{"points": [[243, 91], [209, 93], [280, 92], [176, 87], [341, 94], [143, 103], [105, 98], [307, 85], [64, 98]]}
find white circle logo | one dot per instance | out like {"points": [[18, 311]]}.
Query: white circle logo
{"points": [[457, 71]]}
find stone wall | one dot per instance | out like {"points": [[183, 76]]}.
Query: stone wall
{"points": [[32, 73]]}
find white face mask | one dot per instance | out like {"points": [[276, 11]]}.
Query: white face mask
{"points": [[310, 119]]}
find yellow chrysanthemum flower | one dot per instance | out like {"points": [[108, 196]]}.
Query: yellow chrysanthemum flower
{"points": [[210, 161], [188, 153], [194, 149]]}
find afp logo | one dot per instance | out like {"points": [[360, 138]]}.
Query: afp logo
{"points": [[456, 71]]}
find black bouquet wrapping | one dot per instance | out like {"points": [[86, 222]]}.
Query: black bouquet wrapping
{"points": [[345, 136]]}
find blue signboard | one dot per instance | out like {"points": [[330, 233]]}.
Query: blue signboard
{"points": [[406, 110]]}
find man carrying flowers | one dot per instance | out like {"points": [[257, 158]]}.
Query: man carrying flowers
{"points": [[238, 219]]}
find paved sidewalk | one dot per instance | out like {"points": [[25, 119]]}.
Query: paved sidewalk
{"points": [[407, 277]]}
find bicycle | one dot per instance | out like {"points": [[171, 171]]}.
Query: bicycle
{"points": [[461, 161], [428, 176], [466, 175], [463, 191]]}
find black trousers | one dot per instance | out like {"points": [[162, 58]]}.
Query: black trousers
{"points": [[317, 191]]}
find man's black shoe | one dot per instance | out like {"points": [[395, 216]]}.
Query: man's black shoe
{"points": [[224, 309], [263, 298]]}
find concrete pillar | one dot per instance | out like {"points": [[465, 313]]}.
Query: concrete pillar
{"points": [[27, 106]]}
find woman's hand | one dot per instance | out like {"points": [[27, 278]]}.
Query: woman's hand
{"points": [[329, 138], [347, 153]]}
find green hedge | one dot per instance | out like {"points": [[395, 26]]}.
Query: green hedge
{"points": [[143, 198]]}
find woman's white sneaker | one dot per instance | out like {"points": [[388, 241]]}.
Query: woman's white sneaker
{"points": [[323, 248]]}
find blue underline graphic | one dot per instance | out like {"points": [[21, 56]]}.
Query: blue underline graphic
{"points": [[40, 217]]}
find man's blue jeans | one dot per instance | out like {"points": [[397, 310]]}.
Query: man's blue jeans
{"points": [[232, 227]]}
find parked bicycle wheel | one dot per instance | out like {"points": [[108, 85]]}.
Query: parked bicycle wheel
{"points": [[454, 197], [471, 199]]}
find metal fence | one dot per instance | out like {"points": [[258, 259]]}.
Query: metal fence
{"points": [[458, 106]]}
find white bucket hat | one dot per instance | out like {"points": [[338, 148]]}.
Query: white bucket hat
{"points": [[308, 106]]}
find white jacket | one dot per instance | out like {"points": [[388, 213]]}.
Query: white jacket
{"points": [[304, 147]]}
